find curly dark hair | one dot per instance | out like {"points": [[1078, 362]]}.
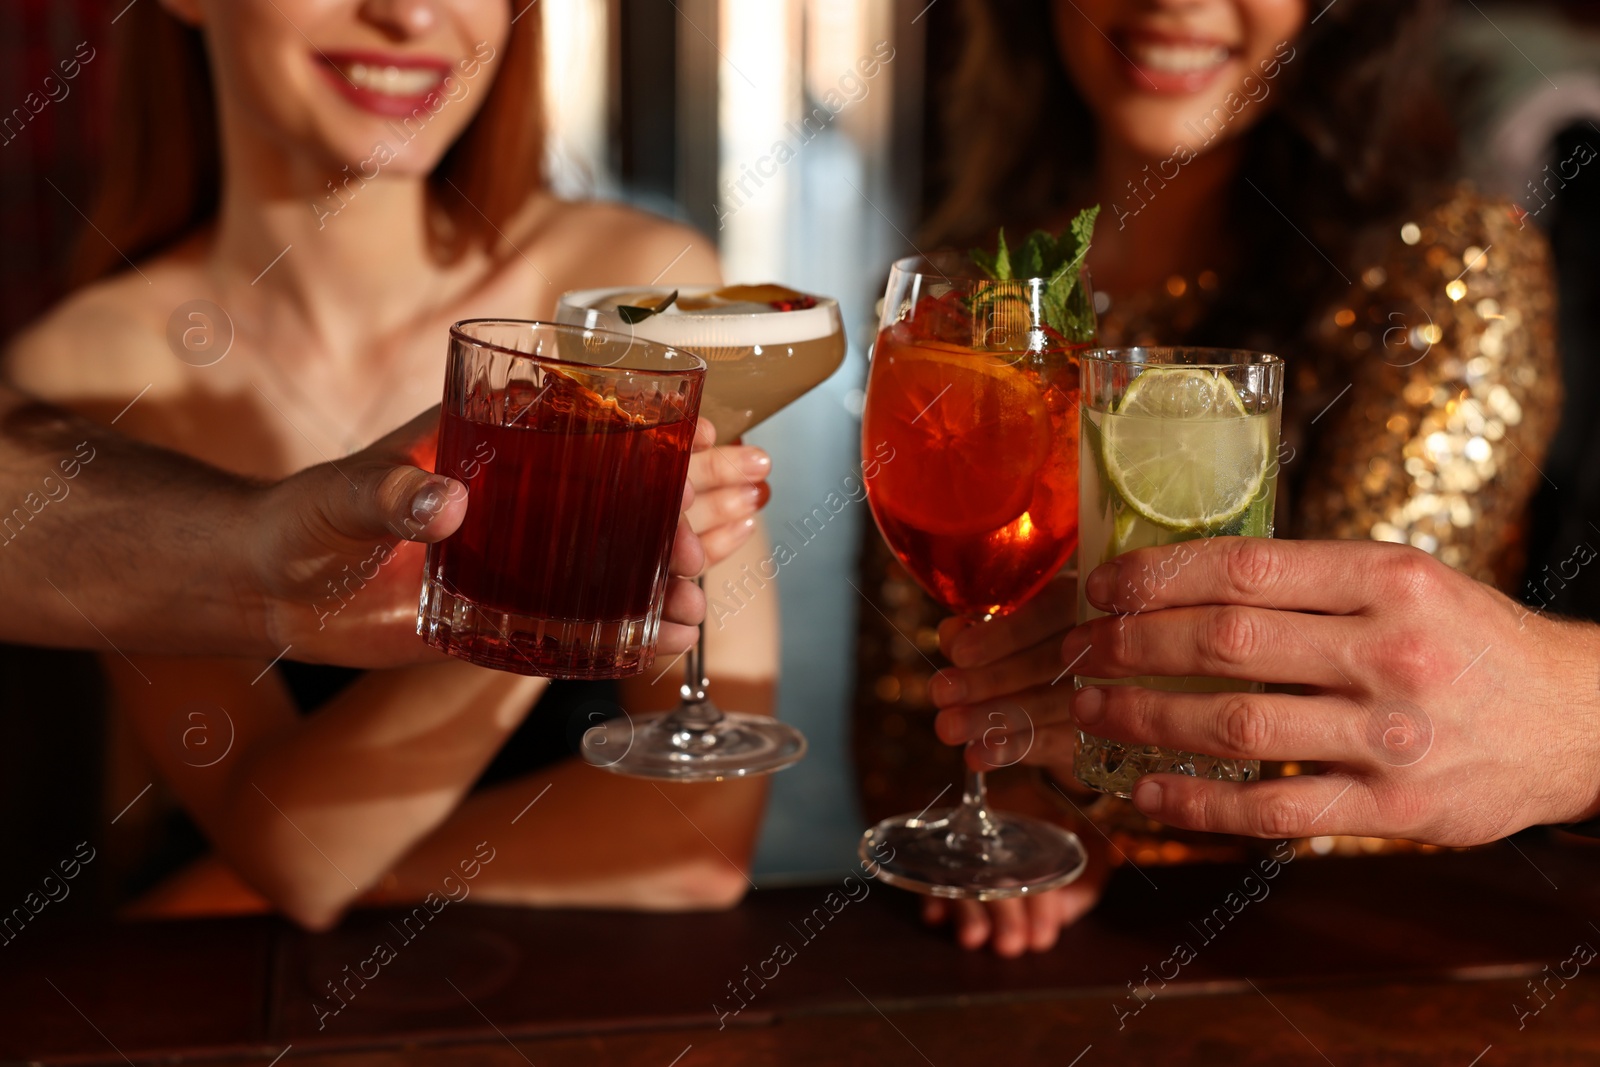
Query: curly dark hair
{"points": [[1355, 134]]}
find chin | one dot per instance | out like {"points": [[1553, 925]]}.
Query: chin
{"points": [[1159, 129], [374, 148], [1153, 136]]}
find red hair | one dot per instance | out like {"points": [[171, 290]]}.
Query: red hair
{"points": [[163, 163]]}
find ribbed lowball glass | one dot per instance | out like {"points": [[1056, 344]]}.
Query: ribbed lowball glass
{"points": [[574, 447]]}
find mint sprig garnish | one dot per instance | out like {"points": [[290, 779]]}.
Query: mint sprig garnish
{"points": [[1058, 260]]}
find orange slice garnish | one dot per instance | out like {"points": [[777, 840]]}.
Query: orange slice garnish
{"points": [[969, 434]]}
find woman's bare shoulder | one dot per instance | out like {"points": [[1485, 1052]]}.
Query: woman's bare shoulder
{"points": [[606, 243], [107, 340]]}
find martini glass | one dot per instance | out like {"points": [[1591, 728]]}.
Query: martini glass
{"points": [[978, 401], [764, 348]]}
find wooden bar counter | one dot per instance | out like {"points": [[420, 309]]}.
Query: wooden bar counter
{"points": [[1473, 959]]}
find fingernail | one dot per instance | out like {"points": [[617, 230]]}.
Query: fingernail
{"points": [[765, 492], [1101, 586], [1089, 706], [755, 462], [1147, 797], [947, 689], [428, 502], [751, 495]]}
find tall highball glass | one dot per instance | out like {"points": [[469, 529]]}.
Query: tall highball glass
{"points": [[1179, 444]]}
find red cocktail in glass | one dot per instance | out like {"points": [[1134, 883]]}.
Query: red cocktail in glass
{"points": [[985, 510], [574, 447], [976, 395]]}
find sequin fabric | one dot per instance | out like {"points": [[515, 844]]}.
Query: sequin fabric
{"points": [[1421, 401], [1433, 391]]}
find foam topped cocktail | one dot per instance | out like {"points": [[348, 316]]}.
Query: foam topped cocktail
{"points": [[1179, 444], [765, 346]]}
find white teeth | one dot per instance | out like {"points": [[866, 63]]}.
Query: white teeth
{"points": [[1179, 58], [393, 81]]}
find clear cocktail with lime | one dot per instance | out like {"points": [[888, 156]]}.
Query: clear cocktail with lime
{"points": [[1177, 444]]}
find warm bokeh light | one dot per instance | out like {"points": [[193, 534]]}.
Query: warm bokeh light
{"points": [[575, 84]]}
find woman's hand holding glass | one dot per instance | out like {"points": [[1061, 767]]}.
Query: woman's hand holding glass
{"points": [[1008, 696], [730, 486], [727, 486]]}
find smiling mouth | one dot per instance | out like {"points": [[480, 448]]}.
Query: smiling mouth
{"points": [[389, 80], [1160, 57]]}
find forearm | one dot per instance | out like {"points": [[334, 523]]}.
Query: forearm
{"points": [[317, 816], [576, 836], [106, 540]]}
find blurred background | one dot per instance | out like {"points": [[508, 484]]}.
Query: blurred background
{"points": [[758, 122]]}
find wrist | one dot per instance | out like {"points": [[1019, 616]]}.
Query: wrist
{"points": [[241, 584], [1572, 689]]}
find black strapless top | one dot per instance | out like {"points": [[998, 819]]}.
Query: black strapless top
{"points": [[549, 734]]}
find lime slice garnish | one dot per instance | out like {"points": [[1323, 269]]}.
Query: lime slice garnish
{"points": [[1182, 450]]}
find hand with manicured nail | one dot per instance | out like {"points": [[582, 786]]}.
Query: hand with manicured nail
{"points": [[172, 557], [1433, 707], [730, 487]]}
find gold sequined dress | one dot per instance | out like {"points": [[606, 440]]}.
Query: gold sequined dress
{"points": [[1421, 401]]}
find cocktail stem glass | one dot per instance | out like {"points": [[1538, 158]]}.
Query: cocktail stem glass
{"points": [[767, 357], [982, 513], [691, 722], [972, 829], [695, 681]]}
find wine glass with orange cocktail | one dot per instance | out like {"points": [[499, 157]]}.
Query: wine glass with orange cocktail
{"points": [[974, 387]]}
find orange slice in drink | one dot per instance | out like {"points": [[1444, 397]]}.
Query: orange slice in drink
{"points": [[969, 434]]}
